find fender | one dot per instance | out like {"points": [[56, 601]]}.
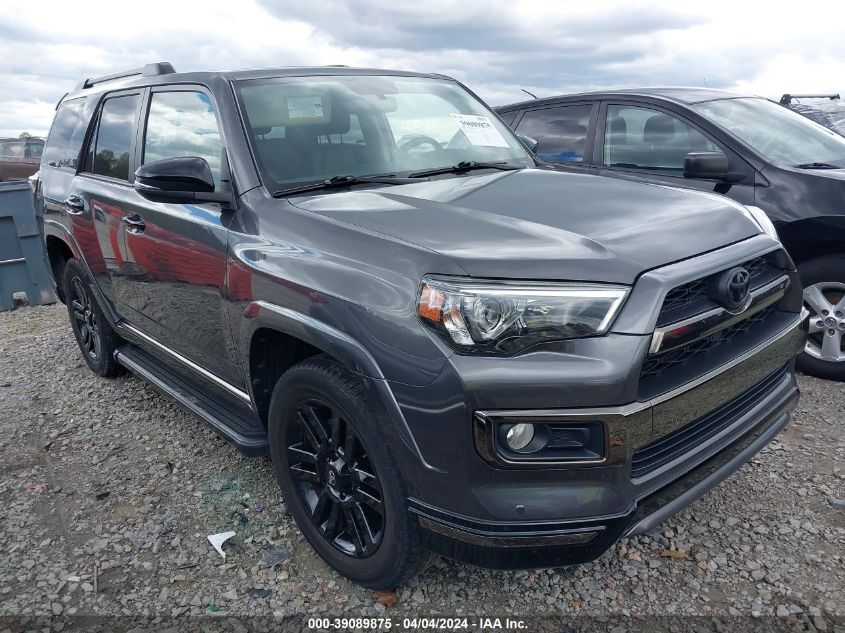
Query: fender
{"points": [[350, 353], [813, 237], [61, 232]]}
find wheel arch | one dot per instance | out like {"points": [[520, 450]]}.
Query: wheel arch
{"points": [[277, 338], [58, 254]]}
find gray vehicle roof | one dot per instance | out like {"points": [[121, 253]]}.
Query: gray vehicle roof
{"points": [[683, 95], [204, 77]]}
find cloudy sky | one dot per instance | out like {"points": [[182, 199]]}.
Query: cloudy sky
{"points": [[495, 46]]}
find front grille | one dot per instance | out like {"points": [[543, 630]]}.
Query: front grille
{"points": [[656, 365], [691, 298], [662, 451]]}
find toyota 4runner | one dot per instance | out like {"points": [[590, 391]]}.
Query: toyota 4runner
{"points": [[442, 346]]}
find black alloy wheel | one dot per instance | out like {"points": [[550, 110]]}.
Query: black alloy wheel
{"points": [[97, 341], [335, 479], [86, 320], [333, 460]]}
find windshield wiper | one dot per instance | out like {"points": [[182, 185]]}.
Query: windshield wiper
{"points": [[343, 181], [817, 166], [462, 167]]}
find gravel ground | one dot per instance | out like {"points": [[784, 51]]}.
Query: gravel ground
{"points": [[108, 491]]}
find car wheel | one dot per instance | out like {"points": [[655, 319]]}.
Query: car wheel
{"points": [[95, 336], [824, 297], [339, 481]]}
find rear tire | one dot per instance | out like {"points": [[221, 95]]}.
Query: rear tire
{"points": [[824, 297], [339, 480], [96, 339]]}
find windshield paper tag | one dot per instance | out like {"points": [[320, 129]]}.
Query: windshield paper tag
{"points": [[479, 130], [310, 107]]}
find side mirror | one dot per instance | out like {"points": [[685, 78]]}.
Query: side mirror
{"points": [[531, 143], [706, 165], [180, 180]]}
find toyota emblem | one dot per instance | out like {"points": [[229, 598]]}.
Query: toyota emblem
{"points": [[732, 289]]}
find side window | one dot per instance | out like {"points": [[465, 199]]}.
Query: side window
{"points": [[12, 149], [34, 150], [508, 117], [641, 138], [66, 135], [561, 132], [113, 142], [183, 124]]}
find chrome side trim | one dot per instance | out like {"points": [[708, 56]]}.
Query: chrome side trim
{"points": [[758, 301], [188, 363]]}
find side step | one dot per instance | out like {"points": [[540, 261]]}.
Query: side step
{"points": [[245, 432]]}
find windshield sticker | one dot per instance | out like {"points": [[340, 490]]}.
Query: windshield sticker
{"points": [[479, 130], [310, 107]]}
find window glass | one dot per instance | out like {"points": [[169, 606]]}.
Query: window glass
{"points": [[115, 131], [508, 117], [34, 150], [780, 135], [66, 135], [12, 149], [561, 132], [648, 139], [183, 124], [305, 129]]}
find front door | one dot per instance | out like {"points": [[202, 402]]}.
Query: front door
{"points": [[649, 144], [178, 252]]}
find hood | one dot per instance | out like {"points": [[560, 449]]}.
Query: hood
{"points": [[536, 224]]}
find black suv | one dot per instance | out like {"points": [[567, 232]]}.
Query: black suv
{"points": [[442, 347], [748, 148]]}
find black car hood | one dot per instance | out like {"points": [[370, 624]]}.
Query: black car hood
{"points": [[537, 224]]}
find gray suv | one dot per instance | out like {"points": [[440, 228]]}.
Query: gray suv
{"points": [[443, 346]]}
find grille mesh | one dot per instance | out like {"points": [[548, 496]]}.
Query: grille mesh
{"points": [[656, 365], [691, 298]]}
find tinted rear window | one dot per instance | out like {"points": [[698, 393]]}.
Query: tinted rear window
{"points": [[66, 135], [115, 132]]}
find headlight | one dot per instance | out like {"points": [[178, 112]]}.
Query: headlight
{"points": [[504, 317], [763, 220]]}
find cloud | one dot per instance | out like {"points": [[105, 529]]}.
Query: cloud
{"points": [[495, 46]]}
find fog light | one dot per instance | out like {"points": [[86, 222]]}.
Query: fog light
{"points": [[519, 436]]}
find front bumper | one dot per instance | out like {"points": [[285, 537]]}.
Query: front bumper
{"points": [[572, 514]]}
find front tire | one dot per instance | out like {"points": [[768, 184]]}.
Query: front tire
{"points": [[824, 297], [338, 478], [96, 339]]}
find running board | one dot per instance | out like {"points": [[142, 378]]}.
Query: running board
{"points": [[245, 432]]}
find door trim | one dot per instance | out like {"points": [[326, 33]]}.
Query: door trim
{"points": [[188, 363]]}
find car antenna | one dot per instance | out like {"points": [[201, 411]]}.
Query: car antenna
{"points": [[528, 93]]}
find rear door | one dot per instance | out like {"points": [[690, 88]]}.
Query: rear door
{"points": [[564, 131], [649, 142], [84, 190], [177, 253]]}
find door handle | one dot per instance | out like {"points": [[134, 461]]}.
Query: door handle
{"points": [[74, 205], [134, 223]]}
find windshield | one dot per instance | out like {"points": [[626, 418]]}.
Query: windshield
{"points": [[306, 129], [780, 135]]}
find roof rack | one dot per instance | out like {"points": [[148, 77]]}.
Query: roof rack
{"points": [[149, 70], [787, 98]]}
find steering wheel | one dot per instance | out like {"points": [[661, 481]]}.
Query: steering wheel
{"points": [[416, 142]]}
